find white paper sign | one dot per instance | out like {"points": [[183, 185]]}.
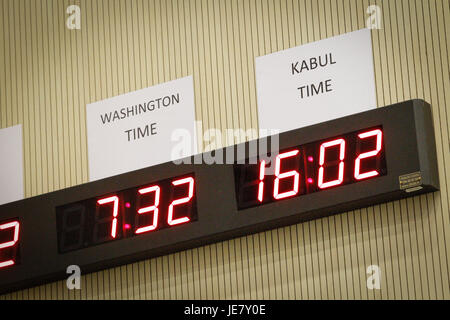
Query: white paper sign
{"points": [[11, 164], [316, 82], [134, 130]]}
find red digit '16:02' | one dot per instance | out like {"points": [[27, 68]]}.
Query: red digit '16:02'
{"points": [[312, 167]]}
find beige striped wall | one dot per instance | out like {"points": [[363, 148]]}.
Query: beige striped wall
{"points": [[49, 73]]}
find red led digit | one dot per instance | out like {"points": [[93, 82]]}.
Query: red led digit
{"points": [[176, 202], [153, 208], [379, 135], [262, 169], [276, 192], [323, 147], [11, 243], [115, 200]]}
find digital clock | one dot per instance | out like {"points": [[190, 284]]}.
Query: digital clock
{"points": [[335, 166], [147, 208], [312, 167]]}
